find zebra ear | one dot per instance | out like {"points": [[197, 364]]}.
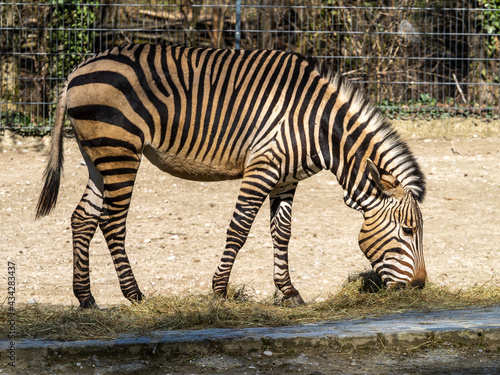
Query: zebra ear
{"points": [[372, 168], [386, 182]]}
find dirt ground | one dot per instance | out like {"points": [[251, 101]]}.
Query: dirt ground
{"points": [[176, 228], [435, 361]]}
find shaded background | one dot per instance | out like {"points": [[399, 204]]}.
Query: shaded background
{"points": [[419, 59]]}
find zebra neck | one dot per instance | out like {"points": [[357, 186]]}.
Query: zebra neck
{"points": [[351, 131], [346, 154], [359, 194]]}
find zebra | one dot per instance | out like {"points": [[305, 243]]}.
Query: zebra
{"points": [[270, 118]]}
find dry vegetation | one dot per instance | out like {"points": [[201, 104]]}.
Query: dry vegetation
{"points": [[208, 311]]}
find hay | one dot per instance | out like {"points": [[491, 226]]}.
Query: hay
{"points": [[359, 297]]}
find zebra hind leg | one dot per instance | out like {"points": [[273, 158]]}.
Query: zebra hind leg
{"points": [[119, 173], [281, 223], [84, 222]]}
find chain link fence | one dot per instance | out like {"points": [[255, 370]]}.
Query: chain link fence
{"points": [[431, 59]]}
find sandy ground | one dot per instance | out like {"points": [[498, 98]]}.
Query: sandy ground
{"points": [[176, 228]]}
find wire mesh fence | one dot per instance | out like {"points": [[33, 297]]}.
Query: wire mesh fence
{"points": [[430, 59]]}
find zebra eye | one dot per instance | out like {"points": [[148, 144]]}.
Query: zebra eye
{"points": [[408, 231]]}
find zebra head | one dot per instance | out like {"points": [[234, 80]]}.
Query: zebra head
{"points": [[391, 236]]}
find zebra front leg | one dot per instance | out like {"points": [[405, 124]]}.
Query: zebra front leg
{"points": [[84, 223], [281, 200], [253, 192]]}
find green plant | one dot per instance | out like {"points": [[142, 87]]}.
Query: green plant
{"points": [[426, 100], [24, 123], [72, 37], [14, 118], [490, 24]]}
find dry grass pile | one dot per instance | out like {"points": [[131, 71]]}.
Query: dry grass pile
{"points": [[356, 299]]}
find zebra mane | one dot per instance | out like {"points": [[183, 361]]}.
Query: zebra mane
{"points": [[403, 164]]}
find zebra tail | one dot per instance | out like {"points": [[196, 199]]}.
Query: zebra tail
{"points": [[52, 174]]}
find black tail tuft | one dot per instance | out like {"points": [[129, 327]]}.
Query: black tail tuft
{"points": [[52, 175], [50, 191]]}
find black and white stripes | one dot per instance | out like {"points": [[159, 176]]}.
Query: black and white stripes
{"points": [[271, 118]]}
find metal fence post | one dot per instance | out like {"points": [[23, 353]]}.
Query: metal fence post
{"points": [[237, 29]]}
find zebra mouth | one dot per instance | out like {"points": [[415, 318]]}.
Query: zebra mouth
{"points": [[396, 285]]}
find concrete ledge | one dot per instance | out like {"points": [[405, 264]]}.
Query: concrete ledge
{"points": [[408, 330]]}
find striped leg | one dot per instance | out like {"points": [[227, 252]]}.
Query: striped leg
{"points": [[281, 200], [84, 223], [254, 190], [118, 187]]}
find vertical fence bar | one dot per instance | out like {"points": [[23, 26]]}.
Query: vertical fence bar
{"points": [[237, 28]]}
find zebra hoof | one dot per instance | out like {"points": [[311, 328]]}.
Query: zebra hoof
{"points": [[292, 301], [88, 303], [220, 294], [138, 298]]}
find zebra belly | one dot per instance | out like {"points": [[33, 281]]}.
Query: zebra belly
{"points": [[191, 169]]}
